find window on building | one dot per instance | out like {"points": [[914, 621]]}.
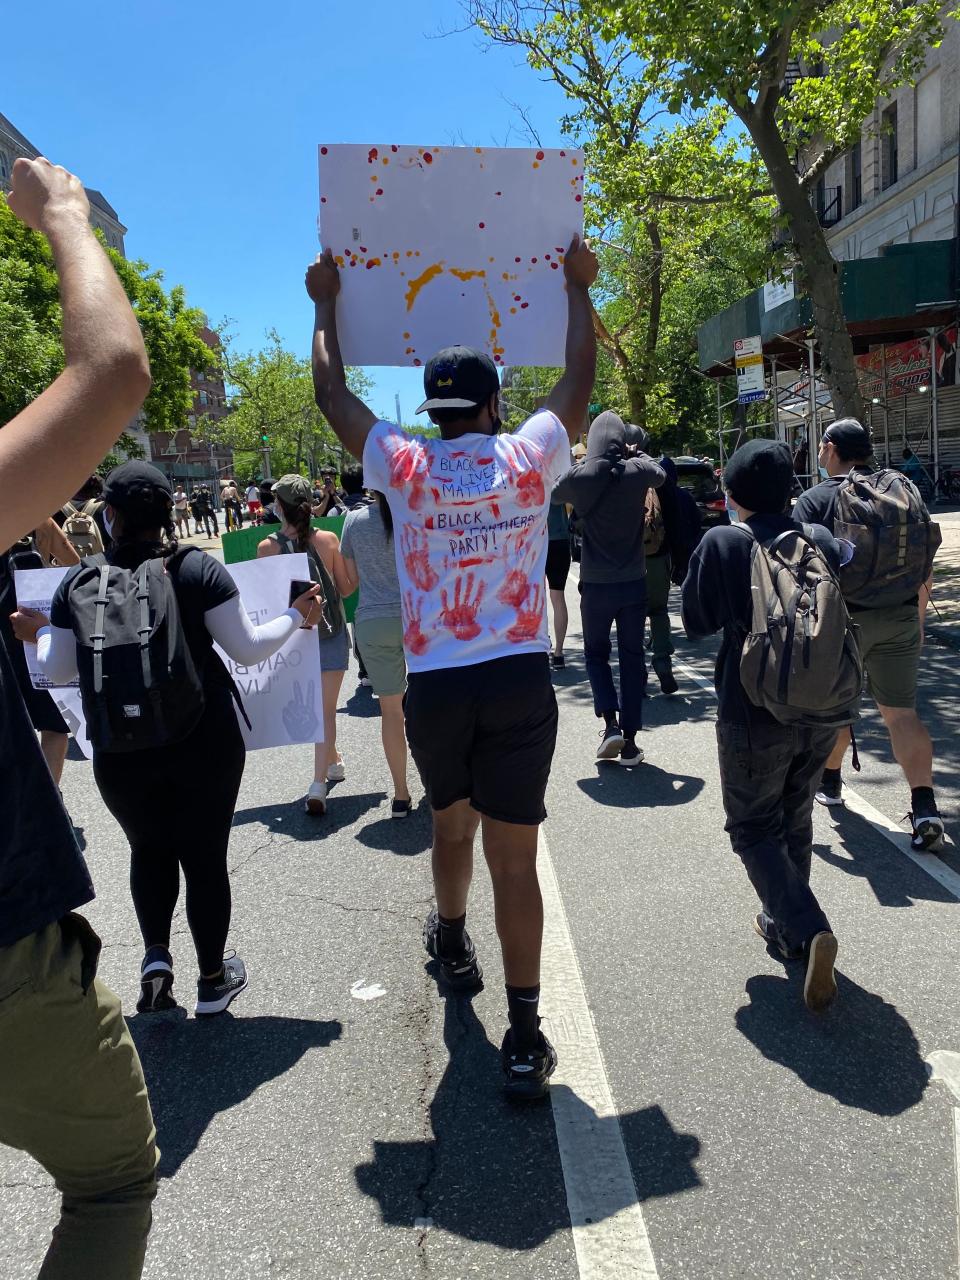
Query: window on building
{"points": [[929, 126], [889, 159], [4, 165], [203, 397], [854, 176]]}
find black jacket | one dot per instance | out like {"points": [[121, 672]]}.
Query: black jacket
{"points": [[716, 597]]}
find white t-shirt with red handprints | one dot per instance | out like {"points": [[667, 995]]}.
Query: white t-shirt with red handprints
{"points": [[470, 533]]}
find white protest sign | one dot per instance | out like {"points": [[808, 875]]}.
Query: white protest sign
{"points": [[281, 695], [748, 359], [35, 589], [446, 245]]}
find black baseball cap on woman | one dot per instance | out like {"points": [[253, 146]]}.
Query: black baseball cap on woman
{"points": [[459, 378], [135, 484]]}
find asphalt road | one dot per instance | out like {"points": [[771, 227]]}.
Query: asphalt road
{"points": [[345, 1121]]}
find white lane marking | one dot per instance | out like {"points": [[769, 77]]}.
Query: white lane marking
{"points": [[361, 991], [609, 1233], [900, 839], [944, 1065]]}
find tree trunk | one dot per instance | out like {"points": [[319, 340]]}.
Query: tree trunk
{"points": [[821, 272], [299, 450]]}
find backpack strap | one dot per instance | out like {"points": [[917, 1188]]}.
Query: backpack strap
{"points": [[68, 510], [98, 632]]}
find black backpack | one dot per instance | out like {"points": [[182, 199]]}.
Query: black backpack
{"points": [[800, 660], [138, 682], [884, 517]]}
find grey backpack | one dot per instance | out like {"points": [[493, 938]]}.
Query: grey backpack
{"points": [[800, 660], [895, 540]]}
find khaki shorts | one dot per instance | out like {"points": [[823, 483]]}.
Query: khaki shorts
{"points": [[890, 648], [380, 641]]}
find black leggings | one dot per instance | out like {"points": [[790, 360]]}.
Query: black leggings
{"points": [[175, 805]]}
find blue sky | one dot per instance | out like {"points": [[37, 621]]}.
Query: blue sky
{"points": [[200, 124]]}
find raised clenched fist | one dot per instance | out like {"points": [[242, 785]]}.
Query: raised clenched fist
{"points": [[41, 193]]}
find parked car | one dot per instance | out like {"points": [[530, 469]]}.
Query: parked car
{"points": [[702, 483]]}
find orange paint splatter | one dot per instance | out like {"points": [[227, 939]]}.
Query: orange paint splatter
{"points": [[406, 336], [536, 165], [414, 287], [513, 311], [339, 260], [374, 262], [468, 275]]}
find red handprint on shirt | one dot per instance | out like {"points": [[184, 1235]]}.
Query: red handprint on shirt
{"points": [[515, 589], [408, 468], [529, 620], [413, 545], [527, 481], [414, 640], [461, 617]]}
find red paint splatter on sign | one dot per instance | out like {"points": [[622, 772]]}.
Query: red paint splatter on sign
{"points": [[539, 155], [372, 155], [427, 158]]}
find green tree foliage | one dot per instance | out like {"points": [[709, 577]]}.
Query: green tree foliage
{"points": [[273, 404], [653, 200], [127, 446], [696, 54], [31, 351]]}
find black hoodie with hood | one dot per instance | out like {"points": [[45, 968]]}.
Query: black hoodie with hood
{"points": [[607, 491]]}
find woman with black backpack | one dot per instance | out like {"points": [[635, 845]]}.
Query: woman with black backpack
{"points": [[293, 501], [139, 624]]}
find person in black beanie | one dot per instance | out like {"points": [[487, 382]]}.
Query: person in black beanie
{"points": [[768, 771]]}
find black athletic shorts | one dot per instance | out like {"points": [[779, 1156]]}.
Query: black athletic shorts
{"points": [[486, 734], [558, 563]]}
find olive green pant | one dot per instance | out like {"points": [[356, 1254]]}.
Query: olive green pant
{"points": [[72, 1095], [658, 605]]}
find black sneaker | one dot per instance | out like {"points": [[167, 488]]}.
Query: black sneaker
{"points": [[663, 669], [461, 972], [611, 742], [830, 790], [766, 926], [630, 754], [215, 994], [927, 833], [401, 808], [156, 982], [557, 662], [528, 1074]]}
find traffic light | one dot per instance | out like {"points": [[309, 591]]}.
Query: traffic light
{"points": [[265, 439]]}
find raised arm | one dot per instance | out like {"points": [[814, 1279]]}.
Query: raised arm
{"points": [[48, 450], [570, 398], [346, 413]]}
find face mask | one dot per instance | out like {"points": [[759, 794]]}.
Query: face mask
{"points": [[734, 517]]}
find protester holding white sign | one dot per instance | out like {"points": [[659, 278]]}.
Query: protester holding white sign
{"points": [[168, 755]]}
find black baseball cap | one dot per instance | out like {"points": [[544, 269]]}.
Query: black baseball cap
{"points": [[459, 378], [850, 439], [134, 484], [760, 476]]}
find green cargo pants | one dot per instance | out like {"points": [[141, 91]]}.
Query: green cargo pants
{"points": [[72, 1095], [658, 598]]}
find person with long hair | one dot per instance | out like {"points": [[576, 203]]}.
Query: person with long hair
{"points": [[138, 786], [293, 501], [366, 545]]}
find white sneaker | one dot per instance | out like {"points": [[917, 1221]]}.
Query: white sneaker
{"points": [[337, 771], [316, 801]]}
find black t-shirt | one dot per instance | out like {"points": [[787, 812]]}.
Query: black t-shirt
{"points": [[716, 596], [42, 873], [199, 582]]}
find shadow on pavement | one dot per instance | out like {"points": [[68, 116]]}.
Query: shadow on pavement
{"points": [[895, 881], [361, 703], [405, 837], [492, 1174], [196, 1068], [862, 1051], [289, 819], [643, 787]]}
